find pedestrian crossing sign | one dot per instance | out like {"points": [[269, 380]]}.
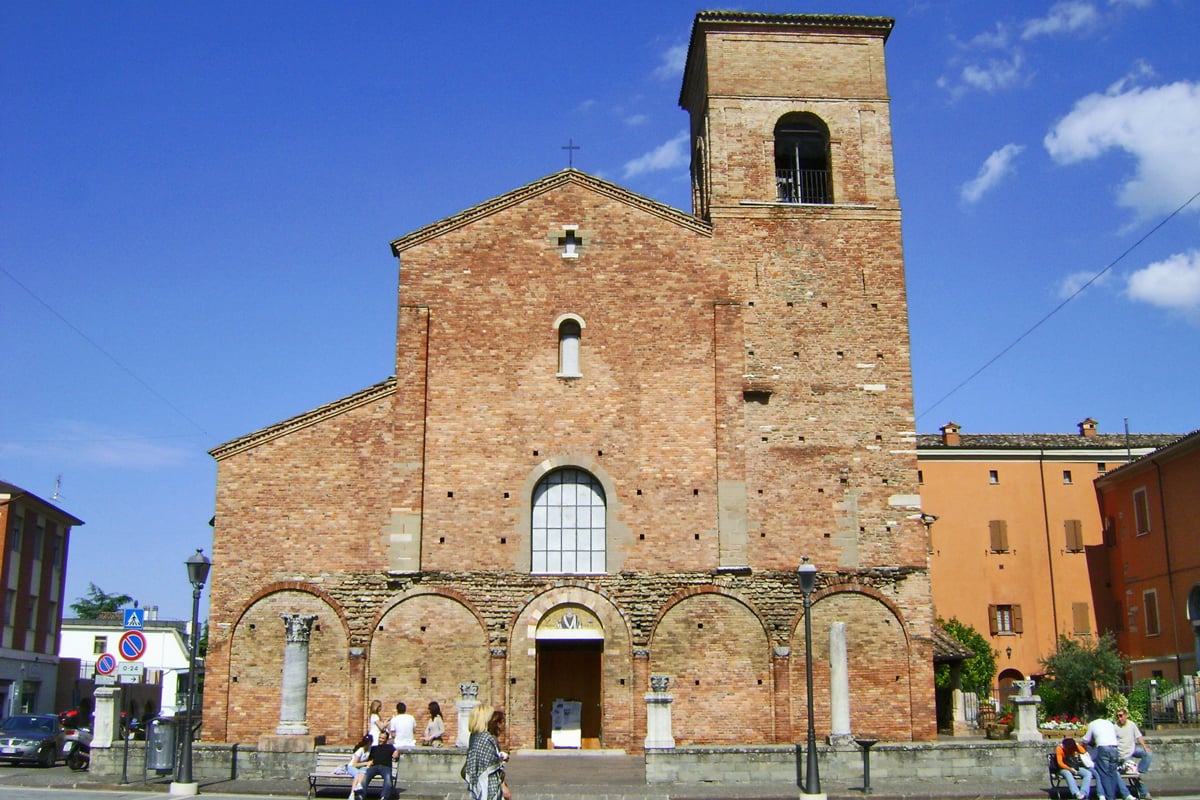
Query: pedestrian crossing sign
{"points": [[135, 618]]}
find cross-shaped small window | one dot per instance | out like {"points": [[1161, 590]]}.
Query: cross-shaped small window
{"points": [[569, 241]]}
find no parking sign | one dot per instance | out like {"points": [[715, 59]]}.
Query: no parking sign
{"points": [[132, 645], [106, 664]]}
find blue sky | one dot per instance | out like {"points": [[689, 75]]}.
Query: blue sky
{"points": [[196, 202]]}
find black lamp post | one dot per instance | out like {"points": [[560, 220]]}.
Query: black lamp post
{"points": [[812, 772], [197, 571]]}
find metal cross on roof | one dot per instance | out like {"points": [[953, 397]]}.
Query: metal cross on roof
{"points": [[570, 147]]}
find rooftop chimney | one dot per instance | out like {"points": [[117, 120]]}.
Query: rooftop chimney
{"points": [[1088, 427], [950, 436]]}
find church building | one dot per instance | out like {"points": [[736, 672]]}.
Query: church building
{"points": [[614, 431]]}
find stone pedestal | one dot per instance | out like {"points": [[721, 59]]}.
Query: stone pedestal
{"points": [[288, 743], [959, 703], [107, 715], [1026, 702], [468, 700], [658, 714]]}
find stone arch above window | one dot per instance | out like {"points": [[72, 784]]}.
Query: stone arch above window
{"points": [[568, 527], [803, 172], [570, 336]]}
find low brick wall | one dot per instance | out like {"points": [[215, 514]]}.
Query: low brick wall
{"points": [[947, 760], [972, 760]]}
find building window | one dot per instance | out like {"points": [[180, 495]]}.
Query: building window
{"points": [[568, 529], [100, 645], [14, 535], [1141, 512], [998, 535], [1081, 616], [921, 476], [1005, 620], [1101, 467], [1150, 607], [993, 476], [570, 332], [802, 173], [1067, 477], [1074, 532], [1110, 532]]}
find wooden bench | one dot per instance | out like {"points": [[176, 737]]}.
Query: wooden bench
{"points": [[325, 774], [1058, 784]]}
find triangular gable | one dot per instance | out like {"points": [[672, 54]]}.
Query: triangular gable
{"points": [[368, 395], [549, 183]]}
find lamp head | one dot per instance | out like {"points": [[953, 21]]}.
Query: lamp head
{"points": [[197, 569], [808, 576]]}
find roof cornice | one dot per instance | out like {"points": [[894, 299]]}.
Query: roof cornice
{"points": [[250, 440], [539, 187]]}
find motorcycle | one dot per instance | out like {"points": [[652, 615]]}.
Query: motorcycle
{"points": [[77, 749]]}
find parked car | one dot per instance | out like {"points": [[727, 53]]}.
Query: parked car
{"points": [[31, 737]]}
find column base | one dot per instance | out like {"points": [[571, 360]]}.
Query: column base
{"points": [[177, 789], [807, 796]]}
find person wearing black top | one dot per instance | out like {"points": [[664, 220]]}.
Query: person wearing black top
{"points": [[380, 760]]}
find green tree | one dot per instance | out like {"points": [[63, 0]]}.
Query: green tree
{"points": [[1082, 666], [978, 672], [98, 602]]}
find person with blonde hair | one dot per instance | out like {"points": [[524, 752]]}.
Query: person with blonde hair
{"points": [[375, 723], [484, 770]]}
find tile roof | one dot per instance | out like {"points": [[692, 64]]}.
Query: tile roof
{"points": [[1048, 441], [947, 649]]}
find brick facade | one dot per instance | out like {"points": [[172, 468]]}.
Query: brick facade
{"points": [[743, 398]]}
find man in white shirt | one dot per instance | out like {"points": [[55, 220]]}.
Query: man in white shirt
{"points": [[403, 727], [1130, 744], [1102, 735]]}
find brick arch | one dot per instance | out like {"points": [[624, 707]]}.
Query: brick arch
{"points": [[716, 649], [256, 645], [296, 586], [421, 647], [707, 588], [878, 650], [844, 587], [619, 690]]}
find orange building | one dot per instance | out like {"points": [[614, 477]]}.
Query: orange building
{"points": [[1009, 519], [1149, 569]]}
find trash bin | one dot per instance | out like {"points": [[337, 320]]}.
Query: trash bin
{"points": [[161, 741]]}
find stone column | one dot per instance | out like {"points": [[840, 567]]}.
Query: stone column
{"points": [[658, 714], [467, 701], [839, 687], [107, 716], [293, 712], [641, 677], [1026, 729]]}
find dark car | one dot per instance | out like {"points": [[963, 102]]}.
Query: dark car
{"points": [[31, 737]]}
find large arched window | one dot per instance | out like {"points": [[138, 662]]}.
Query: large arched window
{"points": [[568, 530], [802, 173]]}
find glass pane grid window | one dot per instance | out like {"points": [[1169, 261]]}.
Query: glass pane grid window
{"points": [[568, 529]]}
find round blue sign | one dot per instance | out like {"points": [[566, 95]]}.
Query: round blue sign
{"points": [[132, 645], [106, 664]]}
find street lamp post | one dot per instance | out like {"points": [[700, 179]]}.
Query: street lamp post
{"points": [[812, 772], [197, 572]]}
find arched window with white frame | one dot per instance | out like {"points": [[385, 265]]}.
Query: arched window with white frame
{"points": [[570, 334], [569, 523]]}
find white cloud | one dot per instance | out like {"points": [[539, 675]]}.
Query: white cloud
{"points": [[84, 444], [1131, 3], [995, 75], [669, 155], [1072, 283], [633, 120], [1173, 284], [672, 63], [997, 165], [1158, 126], [1070, 16]]}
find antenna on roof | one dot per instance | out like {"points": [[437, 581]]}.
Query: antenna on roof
{"points": [[57, 489]]}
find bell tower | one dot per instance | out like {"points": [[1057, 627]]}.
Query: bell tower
{"points": [[788, 109], [792, 168]]}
